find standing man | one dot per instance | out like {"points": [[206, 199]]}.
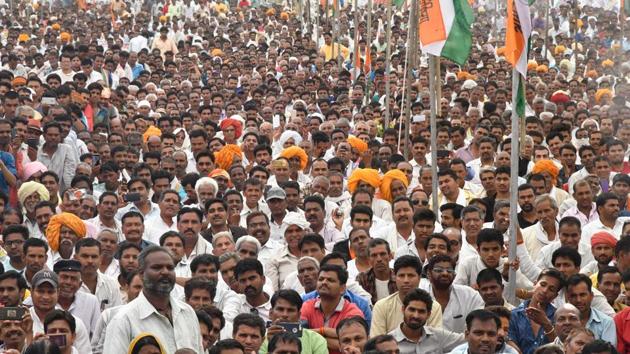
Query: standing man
{"points": [[379, 280], [56, 156], [154, 311], [88, 252]]}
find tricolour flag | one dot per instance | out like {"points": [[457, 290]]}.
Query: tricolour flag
{"points": [[445, 28], [518, 31]]}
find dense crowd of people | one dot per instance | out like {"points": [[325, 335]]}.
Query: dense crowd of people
{"points": [[195, 176]]}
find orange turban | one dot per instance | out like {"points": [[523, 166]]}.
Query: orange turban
{"points": [[388, 179], [501, 51], [56, 26], [71, 221], [608, 63], [549, 167], [358, 144], [462, 75], [532, 65], [18, 81], [603, 237], [295, 151], [224, 158], [601, 93], [284, 16], [238, 127], [65, 37], [151, 131], [220, 173], [542, 69], [592, 74], [367, 175]]}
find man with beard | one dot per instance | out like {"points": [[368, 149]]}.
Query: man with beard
{"points": [[527, 216], [413, 336], [387, 316], [609, 281], [569, 231], [482, 334], [608, 209], [62, 233], [44, 296], [336, 193], [88, 252], [359, 239], [12, 289], [251, 279], [82, 305], [146, 313], [189, 225], [285, 262], [579, 293], [567, 318], [35, 257], [531, 323], [44, 210], [456, 300], [29, 195]]}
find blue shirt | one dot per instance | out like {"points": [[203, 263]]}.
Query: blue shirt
{"points": [[9, 162], [521, 331], [602, 326], [361, 303]]}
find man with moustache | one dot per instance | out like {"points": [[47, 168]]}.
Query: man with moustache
{"points": [[250, 276], [146, 313], [527, 216]]}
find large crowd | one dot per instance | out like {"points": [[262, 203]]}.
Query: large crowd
{"points": [[194, 176]]}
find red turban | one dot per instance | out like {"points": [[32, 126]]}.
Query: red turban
{"points": [[603, 237], [238, 127]]}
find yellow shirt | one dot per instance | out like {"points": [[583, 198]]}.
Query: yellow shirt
{"points": [[387, 315], [327, 51]]}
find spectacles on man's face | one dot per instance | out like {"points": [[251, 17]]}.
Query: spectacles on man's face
{"points": [[440, 270], [422, 202]]}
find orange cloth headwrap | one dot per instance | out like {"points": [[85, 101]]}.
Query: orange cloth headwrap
{"points": [[238, 127], [295, 151], [151, 131], [358, 144], [386, 185], [224, 158], [603, 237], [71, 221], [549, 167], [367, 175]]}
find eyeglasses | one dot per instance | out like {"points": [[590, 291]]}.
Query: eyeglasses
{"points": [[14, 243], [423, 202], [443, 270]]}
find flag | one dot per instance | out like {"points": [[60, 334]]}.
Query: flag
{"points": [[518, 31], [444, 28], [367, 63], [399, 3], [624, 9]]}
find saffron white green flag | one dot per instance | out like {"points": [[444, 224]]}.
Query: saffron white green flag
{"points": [[445, 28]]}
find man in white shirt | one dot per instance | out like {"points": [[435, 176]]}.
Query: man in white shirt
{"points": [[189, 225], [156, 225], [250, 275], [154, 310], [609, 220], [106, 289]]}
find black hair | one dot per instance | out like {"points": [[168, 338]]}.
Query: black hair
{"points": [[249, 320], [87, 242], [483, 316], [168, 234], [350, 321], [576, 279], [488, 275], [186, 210], [204, 259], [288, 295], [490, 235], [246, 265], [19, 279], [16, 229], [408, 261], [607, 270], [599, 346], [284, 337], [312, 238], [361, 209], [553, 273], [224, 345], [342, 274], [370, 345], [418, 295], [34, 242], [200, 283], [438, 259], [424, 214], [567, 252], [60, 315], [570, 221]]}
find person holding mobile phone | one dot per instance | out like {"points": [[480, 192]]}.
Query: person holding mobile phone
{"points": [[60, 328]]}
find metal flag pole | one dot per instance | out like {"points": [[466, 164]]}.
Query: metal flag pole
{"points": [[388, 53], [434, 107], [368, 49], [511, 293], [545, 35], [412, 53]]}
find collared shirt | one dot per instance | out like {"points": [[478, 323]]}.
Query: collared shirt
{"points": [[521, 331], [363, 303], [201, 247], [312, 343], [113, 269], [276, 231], [584, 219], [107, 291], [387, 315], [462, 301], [544, 257], [504, 349], [155, 227], [9, 162], [396, 240], [367, 280], [153, 212], [468, 269], [262, 310], [269, 250], [312, 313], [279, 268], [262, 207], [62, 162], [82, 339], [99, 226], [433, 340], [139, 316], [535, 237], [227, 301], [602, 326], [597, 225], [599, 302]]}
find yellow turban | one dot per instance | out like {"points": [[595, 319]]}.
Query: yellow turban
{"points": [[29, 188], [151, 131], [295, 151], [224, 158], [132, 346], [358, 144], [388, 179], [608, 63], [560, 49], [216, 52], [71, 221], [601, 93], [163, 19], [542, 69], [23, 37], [532, 65], [367, 175], [549, 167]]}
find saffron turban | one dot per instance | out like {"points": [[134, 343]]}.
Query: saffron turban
{"points": [[388, 179], [367, 175], [549, 167], [295, 151], [542, 68], [224, 158], [601, 93], [358, 144], [29, 188], [229, 122], [151, 131], [608, 63], [603, 237], [71, 221]]}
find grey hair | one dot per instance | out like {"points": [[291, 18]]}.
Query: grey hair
{"points": [[227, 256], [500, 204], [206, 181], [142, 258], [546, 198], [309, 258], [221, 234], [247, 238]]}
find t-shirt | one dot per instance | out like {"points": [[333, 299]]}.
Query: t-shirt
{"points": [[382, 289]]}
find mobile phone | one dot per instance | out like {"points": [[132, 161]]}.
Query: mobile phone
{"points": [[96, 159], [132, 197], [77, 194], [294, 328], [11, 313], [50, 101], [276, 121], [58, 339], [32, 143]]}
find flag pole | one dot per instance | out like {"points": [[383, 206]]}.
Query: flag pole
{"points": [[336, 29], [546, 35], [368, 48], [412, 53], [335, 9], [514, 157], [357, 50], [434, 107], [388, 53]]}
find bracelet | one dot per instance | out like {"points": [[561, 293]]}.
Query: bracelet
{"points": [[553, 329], [321, 330]]}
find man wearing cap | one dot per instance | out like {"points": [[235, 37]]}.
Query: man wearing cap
{"points": [[286, 262], [82, 305], [44, 297], [276, 200]]}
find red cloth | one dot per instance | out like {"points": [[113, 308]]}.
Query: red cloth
{"points": [[312, 313], [622, 324]]}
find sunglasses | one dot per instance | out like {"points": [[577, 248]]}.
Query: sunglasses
{"points": [[423, 202]]}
